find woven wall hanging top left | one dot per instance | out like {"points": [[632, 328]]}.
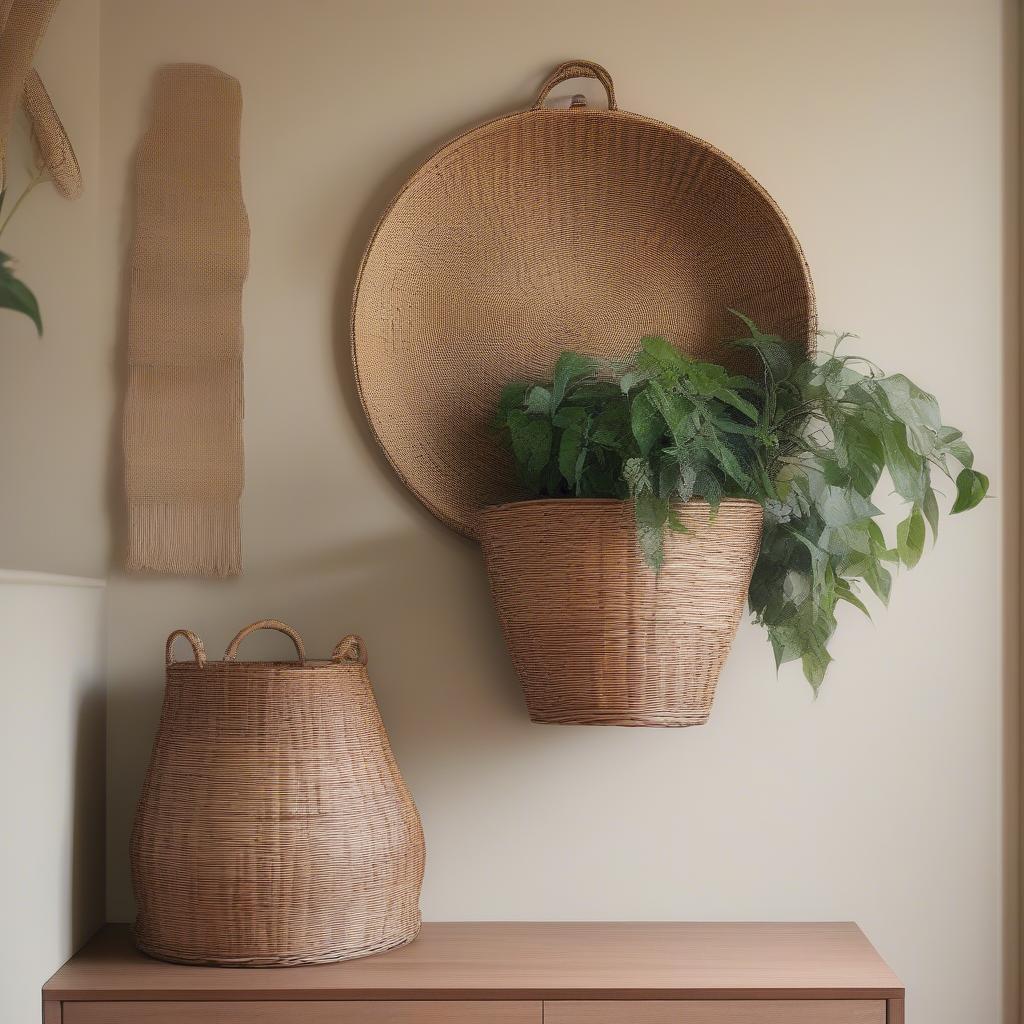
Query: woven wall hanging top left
{"points": [[189, 259]]}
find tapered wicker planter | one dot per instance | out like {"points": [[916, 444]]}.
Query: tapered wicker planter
{"points": [[274, 826], [596, 637]]}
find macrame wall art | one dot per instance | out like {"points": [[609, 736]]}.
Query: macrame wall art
{"points": [[22, 24], [188, 261]]}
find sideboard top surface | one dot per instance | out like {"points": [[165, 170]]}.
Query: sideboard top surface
{"points": [[513, 960]]}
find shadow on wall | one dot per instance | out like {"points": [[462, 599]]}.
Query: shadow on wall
{"points": [[88, 816]]}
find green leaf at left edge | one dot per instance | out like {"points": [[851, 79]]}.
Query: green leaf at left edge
{"points": [[971, 488], [15, 295], [910, 538]]}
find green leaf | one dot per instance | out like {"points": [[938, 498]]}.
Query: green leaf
{"points": [[971, 488], [839, 506], [844, 592], [638, 476], [570, 367], [632, 378], [15, 295], [572, 447], [729, 397], [755, 332], [873, 573], [675, 523], [663, 353], [931, 512], [916, 408], [538, 401], [952, 442], [646, 422], [513, 396], [910, 538], [796, 587], [531, 444], [651, 516], [815, 664], [676, 409], [906, 467]]}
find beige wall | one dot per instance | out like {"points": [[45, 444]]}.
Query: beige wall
{"points": [[877, 126], [54, 422], [52, 758], [57, 392]]}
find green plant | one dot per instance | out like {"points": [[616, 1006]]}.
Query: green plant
{"points": [[14, 293], [809, 438]]}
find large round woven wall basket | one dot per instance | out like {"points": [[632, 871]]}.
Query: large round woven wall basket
{"points": [[274, 826], [596, 637], [575, 228]]}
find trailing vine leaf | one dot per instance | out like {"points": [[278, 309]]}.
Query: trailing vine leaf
{"points": [[811, 439], [910, 538], [971, 488]]}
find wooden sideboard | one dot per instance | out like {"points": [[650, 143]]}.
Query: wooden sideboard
{"points": [[507, 973]]}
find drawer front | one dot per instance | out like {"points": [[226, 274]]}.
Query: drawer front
{"points": [[713, 1011], [304, 1012]]}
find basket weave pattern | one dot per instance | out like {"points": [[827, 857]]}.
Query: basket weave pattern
{"points": [[596, 637], [274, 826], [545, 230]]}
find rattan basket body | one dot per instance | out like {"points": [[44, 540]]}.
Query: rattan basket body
{"points": [[549, 229], [596, 637], [274, 826]]}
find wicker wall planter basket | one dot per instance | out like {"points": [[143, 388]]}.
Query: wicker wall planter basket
{"points": [[274, 826], [580, 227], [596, 637]]}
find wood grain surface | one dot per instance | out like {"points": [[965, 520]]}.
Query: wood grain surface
{"points": [[311, 1012], [466, 961], [713, 1011]]}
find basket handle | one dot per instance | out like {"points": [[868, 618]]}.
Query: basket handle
{"points": [[232, 651], [577, 69], [197, 646], [351, 649]]}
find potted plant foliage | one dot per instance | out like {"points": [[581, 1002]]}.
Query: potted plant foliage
{"points": [[673, 490], [14, 293]]}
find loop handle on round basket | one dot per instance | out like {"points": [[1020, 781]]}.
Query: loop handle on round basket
{"points": [[351, 649], [197, 646], [232, 651], [577, 69]]}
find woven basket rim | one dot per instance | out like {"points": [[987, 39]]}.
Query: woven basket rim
{"points": [[607, 502], [431, 501], [300, 666]]}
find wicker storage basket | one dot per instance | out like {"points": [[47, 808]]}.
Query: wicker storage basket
{"points": [[595, 636], [578, 228], [274, 826]]}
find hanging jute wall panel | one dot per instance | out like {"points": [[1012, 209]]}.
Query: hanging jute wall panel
{"points": [[189, 259]]}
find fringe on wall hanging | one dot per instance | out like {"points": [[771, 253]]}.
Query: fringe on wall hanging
{"points": [[188, 262]]}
